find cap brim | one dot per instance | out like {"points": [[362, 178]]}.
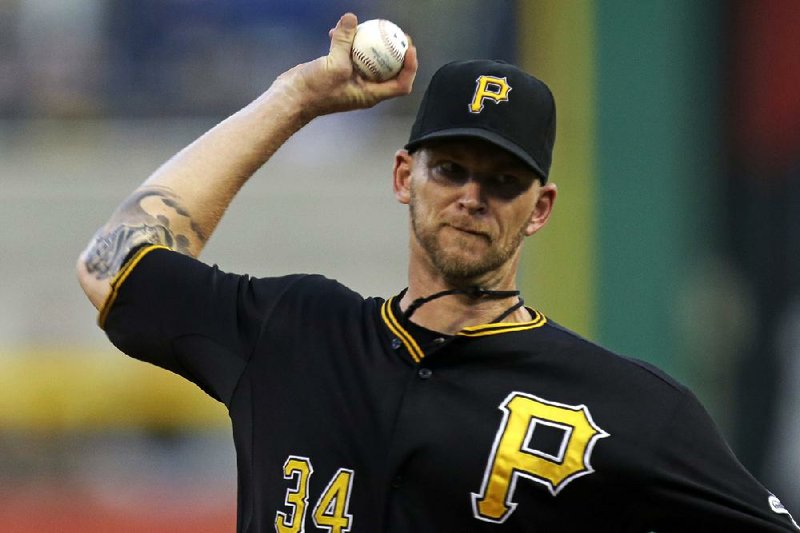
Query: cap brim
{"points": [[485, 135]]}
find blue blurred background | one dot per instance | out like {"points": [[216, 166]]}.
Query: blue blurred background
{"points": [[676, 237]]}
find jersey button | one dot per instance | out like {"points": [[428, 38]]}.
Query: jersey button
{"points": [[424, 373], [439, 340]]}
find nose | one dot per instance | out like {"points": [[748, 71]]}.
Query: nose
{"points": [[472, 199]]}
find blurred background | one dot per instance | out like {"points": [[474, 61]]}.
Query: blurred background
{"points": [[676, 237]]}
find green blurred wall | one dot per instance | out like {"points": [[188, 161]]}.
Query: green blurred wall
{"points": [[636, 154]]}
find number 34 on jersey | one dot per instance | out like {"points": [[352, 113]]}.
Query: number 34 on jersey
{"points": [[330, 512]]}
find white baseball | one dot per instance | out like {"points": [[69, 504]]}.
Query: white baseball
{"points": [[379, 49]]}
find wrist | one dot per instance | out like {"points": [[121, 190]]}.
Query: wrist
{"points": [[297, 93], [284, 102]]}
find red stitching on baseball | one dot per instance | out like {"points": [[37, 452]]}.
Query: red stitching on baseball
{"points": [[388, 42], [367, 62]]}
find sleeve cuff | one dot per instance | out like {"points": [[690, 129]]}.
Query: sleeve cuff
{"points": [[120, 278]]}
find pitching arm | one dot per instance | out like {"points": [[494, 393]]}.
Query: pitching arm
{"points": [[180, 205]]}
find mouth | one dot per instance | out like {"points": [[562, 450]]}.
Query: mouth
{"points": [[469, 231]]}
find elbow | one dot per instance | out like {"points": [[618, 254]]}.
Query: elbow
{"points": [[95, 289]]}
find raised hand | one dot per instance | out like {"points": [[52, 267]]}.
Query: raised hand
{"points": [[329, 84]]}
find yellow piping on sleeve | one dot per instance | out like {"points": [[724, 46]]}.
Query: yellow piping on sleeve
{"points": [[120, 278]]}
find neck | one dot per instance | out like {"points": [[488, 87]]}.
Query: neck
{"points": [[453, 312]]}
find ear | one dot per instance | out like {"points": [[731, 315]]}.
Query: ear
{"points": [[546, 197], [403, 163]]}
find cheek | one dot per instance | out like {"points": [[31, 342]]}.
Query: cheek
{"points": [[526, 213], [424, 203], [420, 212], [517, 222]]}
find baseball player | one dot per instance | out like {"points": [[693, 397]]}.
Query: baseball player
{"points": [[448, 407]]}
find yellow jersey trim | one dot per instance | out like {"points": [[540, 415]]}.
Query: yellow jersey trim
{"points": [[496, 328], [405, 337], [481, 330], [120, 278]]}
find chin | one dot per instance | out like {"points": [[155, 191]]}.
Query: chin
{"points": [[463, 267], [467, 261], [462, 259], [469, 257]]}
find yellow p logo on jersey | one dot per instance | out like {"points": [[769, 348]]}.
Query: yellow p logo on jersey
{"points": [[489, 87], [512, 456]]}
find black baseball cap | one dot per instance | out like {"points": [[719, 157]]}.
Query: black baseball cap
{"points": [[490, 100]]}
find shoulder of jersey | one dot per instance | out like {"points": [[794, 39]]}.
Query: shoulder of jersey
{"points": [[571, 341]]}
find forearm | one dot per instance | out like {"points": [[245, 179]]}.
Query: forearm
{"points": [[205, 176]]}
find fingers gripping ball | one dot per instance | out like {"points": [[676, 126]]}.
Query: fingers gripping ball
{"points": [[379, 49]]}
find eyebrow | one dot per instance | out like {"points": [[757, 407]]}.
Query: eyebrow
{"points": [[504, 159]]}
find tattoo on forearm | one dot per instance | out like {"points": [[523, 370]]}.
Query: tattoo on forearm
{"points": [[150, 216]]}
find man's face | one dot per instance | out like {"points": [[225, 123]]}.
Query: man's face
{"points": [[471, 206]]}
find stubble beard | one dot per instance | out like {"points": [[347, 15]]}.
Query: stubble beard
{"points": [[453, 267]]}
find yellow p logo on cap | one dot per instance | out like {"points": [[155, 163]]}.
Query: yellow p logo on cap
{"points": [[490, 87]]}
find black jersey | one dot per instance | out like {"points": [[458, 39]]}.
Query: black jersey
{"points": [[347, 417]]}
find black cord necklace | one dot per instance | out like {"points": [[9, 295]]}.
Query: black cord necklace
{"points": [[472, 292]]}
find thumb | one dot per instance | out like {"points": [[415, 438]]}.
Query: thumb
{"points": [[343, 34]]}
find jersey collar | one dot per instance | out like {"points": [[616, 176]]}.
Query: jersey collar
{"points": [[396, 324]]}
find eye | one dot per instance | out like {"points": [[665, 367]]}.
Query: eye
{"points": [[450, 171], [506, 186], [504, 180]]}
